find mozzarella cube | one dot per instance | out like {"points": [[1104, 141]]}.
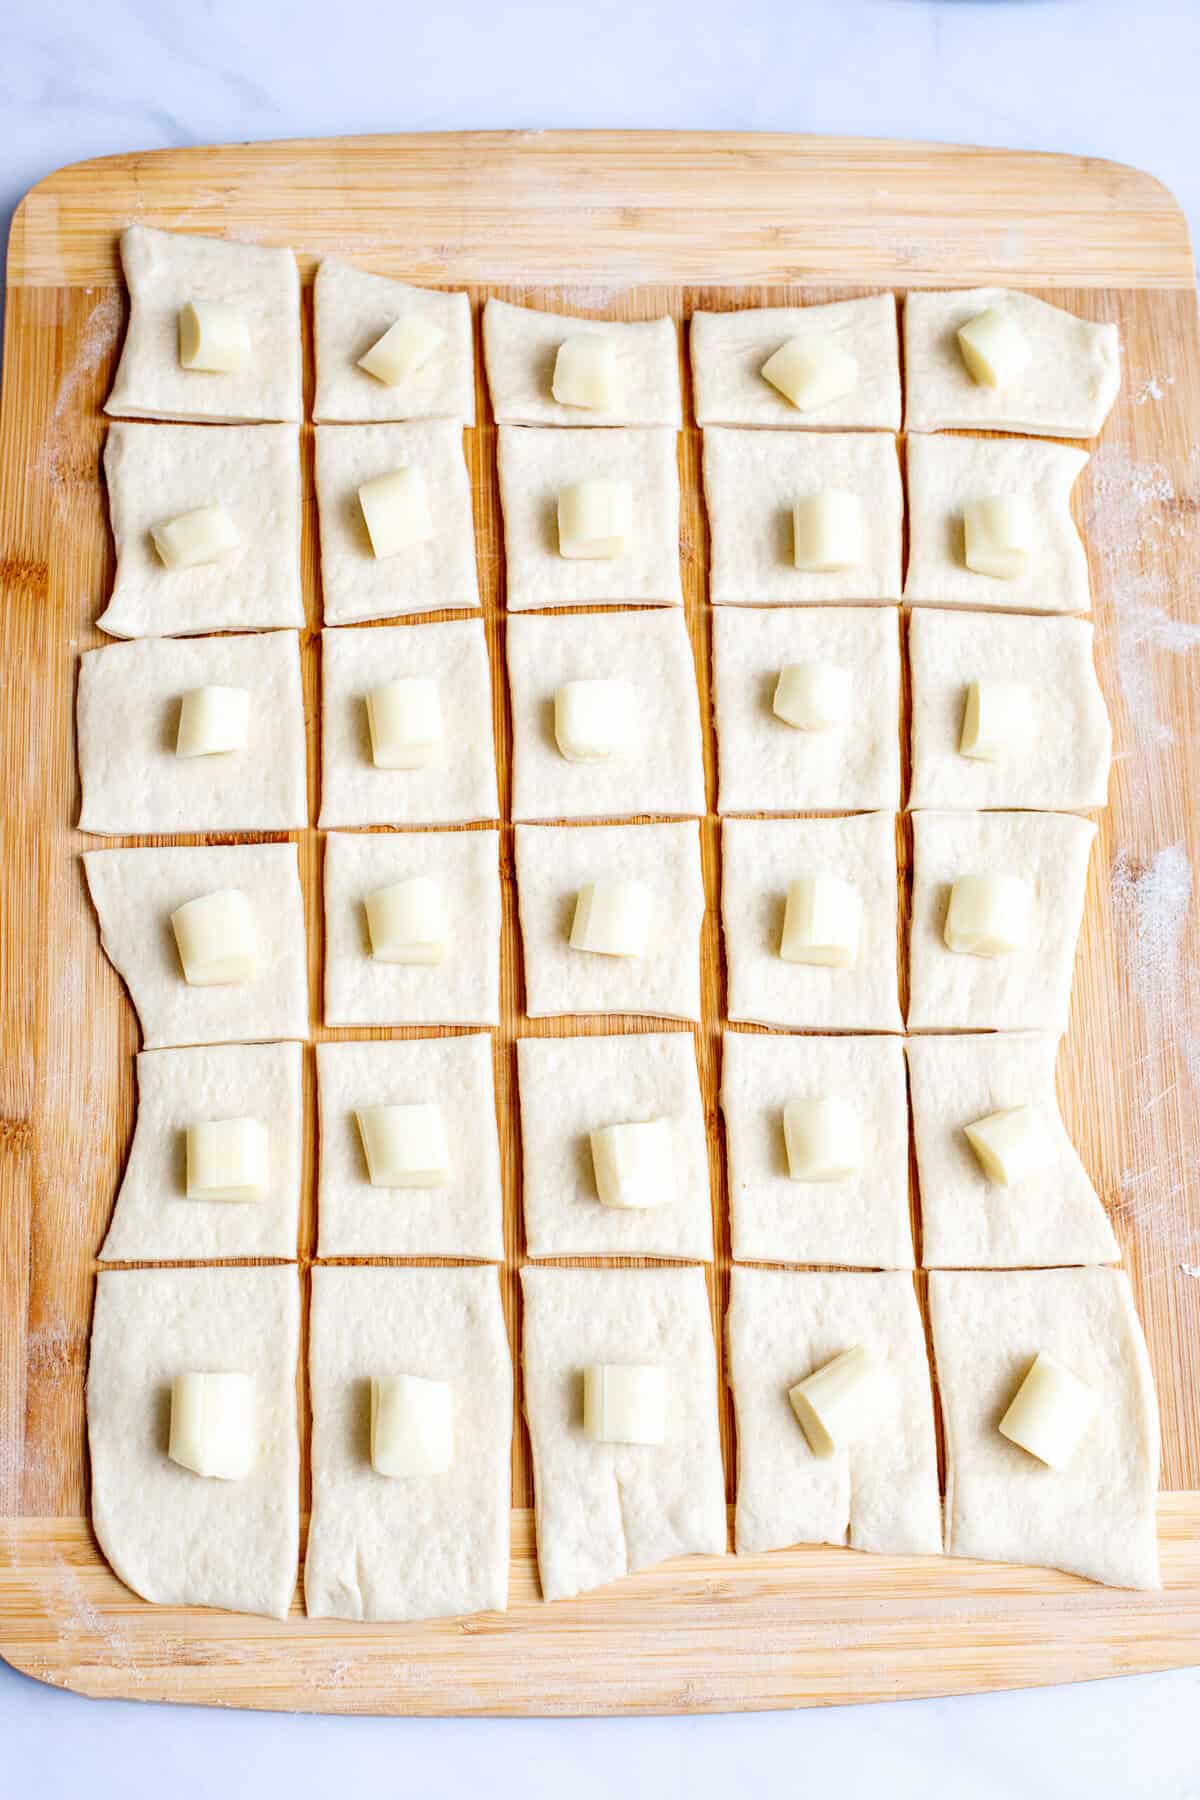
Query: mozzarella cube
{"points": [[822, 922], [988, 915], [585, 371], [625, 1403], [228, 1159], [812, 371], [1050, 1412], [213, 721], [407, 922], [812, 696], [827, 531], [997, 720], [395, 509], [192, 538], [404, 348], [214, 337], [593, 719], [217, 939], [595, 518], [412, 1425], [634, 1164], [998, 536], [612, 918], [213, 1425], [838, 1402], [823, 1138], [994, 348], [1011, 1145], [405, 719], [405, 1146]]}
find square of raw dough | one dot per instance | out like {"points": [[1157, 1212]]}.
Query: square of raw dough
{"points": [[459, 785], [879, 1494], [154, 1220], [663, 769], [1094, 1518], [520, 346], [424, 577], [767, 765], [573, 1086], [863, 1220], [464, 988], [351, 311], [730, 348], [176, 1538], [1029, 989], [166, 269], [463, 1218], [1066, 390], [945, 474], [420, 1546], [156, 472], [127, 721], [554, 862], [135, 892], [1052, 1216], [752, 480], [1062, 765], [604, 1510], [534, 468], [760, 860]]}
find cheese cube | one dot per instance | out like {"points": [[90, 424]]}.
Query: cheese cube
{"points": [[405, 720], [838, 1402], [997, 720], [812, 696], [1011, 1145], [217, 939], [228, 1159], [812, 371], [1050, 1413], [214, 336], [612, 918], [405, 1146], [192, 538], [213, 721], [998, 536], [595, 519], [827, 531], [634, 1164], [822, 922], [213, 1425], [994, 348], [823, 1138], [395, 509], [988, 915], [404, 348], [407, 922], [412, 1426], [593, 719], [585, 371], [625, 1403]]}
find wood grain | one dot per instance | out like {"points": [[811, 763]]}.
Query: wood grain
{"points": [[522, 215]]}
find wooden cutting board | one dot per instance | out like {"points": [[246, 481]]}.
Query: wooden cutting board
{"points": [[624, 226]]}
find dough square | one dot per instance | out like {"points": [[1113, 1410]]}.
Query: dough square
{"points": [[155, 473], [166, 269], [767, 765], [968, 1222], [882, 1493], [554, 862], [520, 345], [752, 479], [1029, 990], [604, 1510], [944, 473], [175, 1538], [154, 1220], [760, 860], [1066, 762], [1067, 389], [464, 1218], [423, 577], [730, 348], [663, 770], [864, 1220], [135, 892], [572, 1086], [459, 785], [1096, 1517], [127, 720], [351, 311], [424, 1546], [463, 989], [534, 468]]}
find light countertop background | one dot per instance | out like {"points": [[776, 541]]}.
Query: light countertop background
{"points": [[1114, 78]]}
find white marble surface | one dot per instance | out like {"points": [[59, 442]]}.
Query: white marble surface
{"points": [[1108, 77]]}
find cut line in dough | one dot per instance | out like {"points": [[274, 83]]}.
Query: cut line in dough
{"points": [[728, 350], [520, 345], [604, 1510], [1095, 1518], [1066, 390], [424, 1546], [881, 1494], [352, 309]]}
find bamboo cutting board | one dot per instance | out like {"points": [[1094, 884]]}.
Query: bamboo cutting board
{"points": [[623, 226]]}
